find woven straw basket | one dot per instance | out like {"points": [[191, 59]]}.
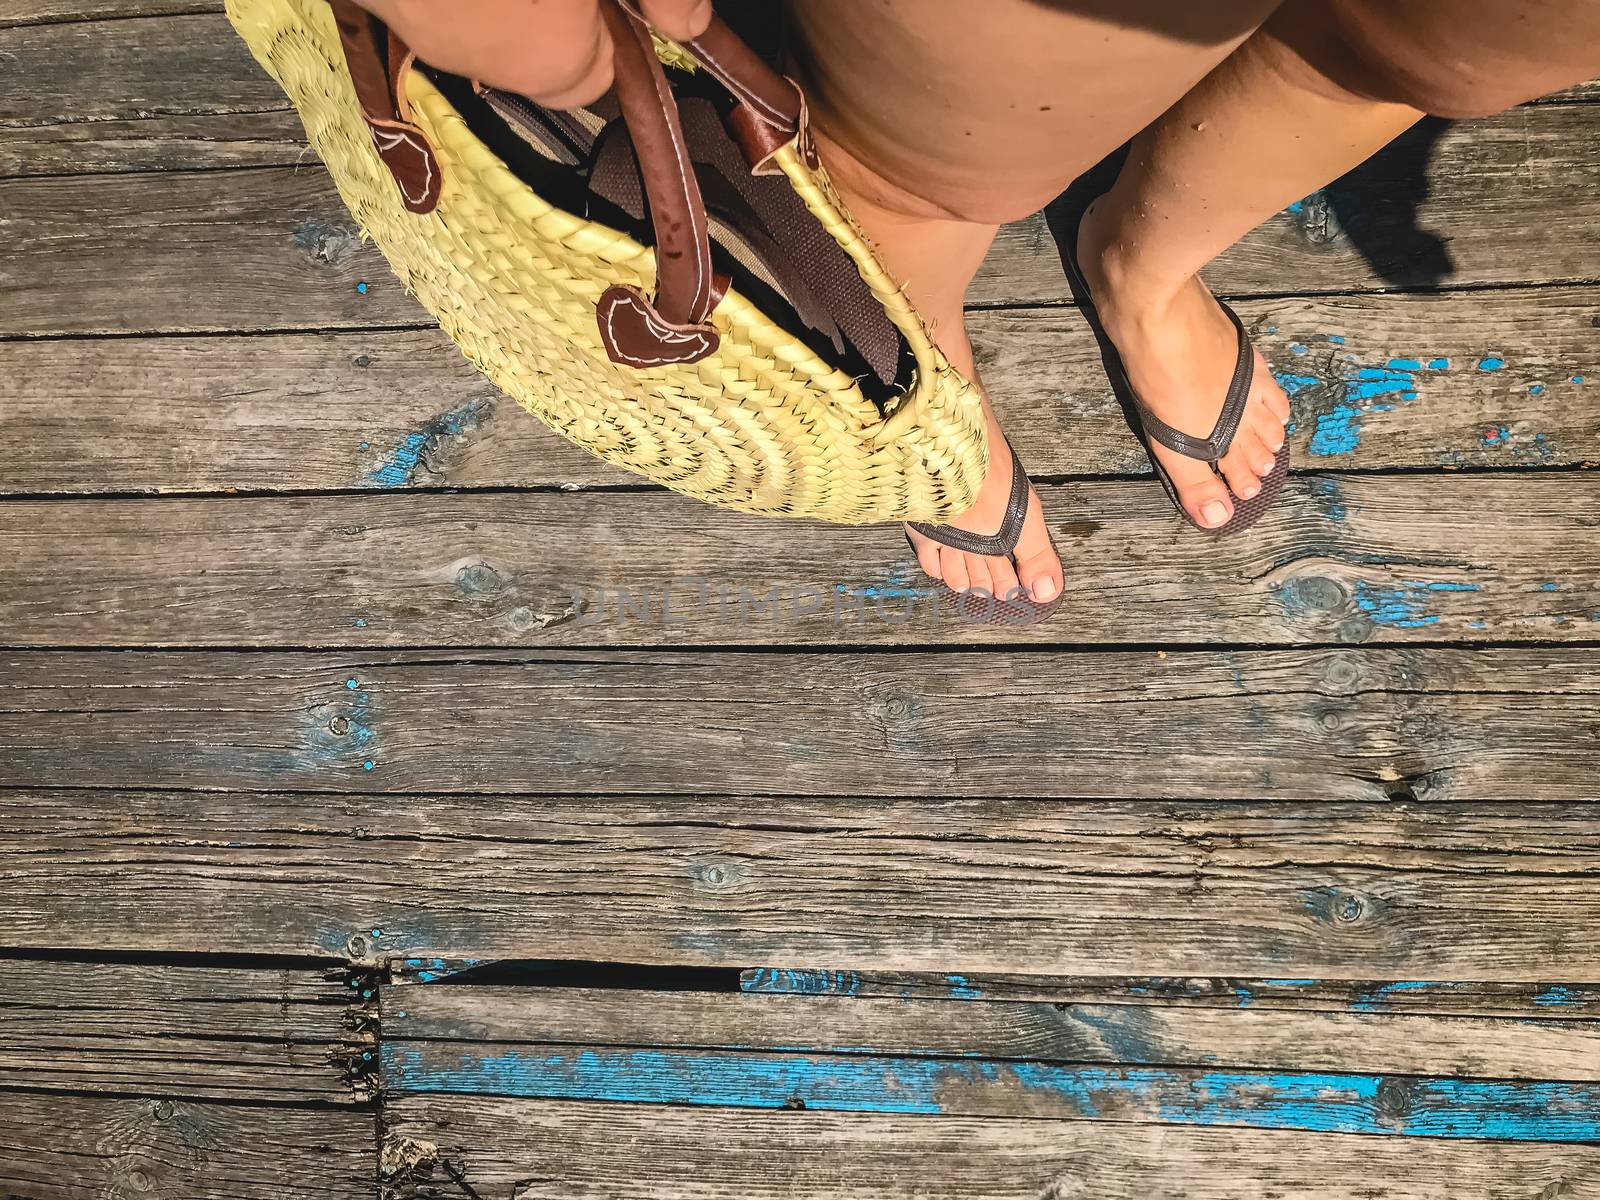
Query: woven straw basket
{"points": [[763, 424]]}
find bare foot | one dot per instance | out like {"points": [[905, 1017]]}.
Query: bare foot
{"points": [[1179, 350]]}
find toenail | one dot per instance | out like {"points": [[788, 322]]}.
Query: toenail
{"points": [[1214, 513], [1044, 589], [1249, 490]]}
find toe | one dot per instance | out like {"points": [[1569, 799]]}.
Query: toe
{"points": [[1038, 565], [1004, 577], [927, 552], [1267, 394], [1203, 493], [953, 569], [1259, 453], [978, 578]]}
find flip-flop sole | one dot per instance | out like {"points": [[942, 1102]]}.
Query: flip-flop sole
{"points": [[977, 607]]}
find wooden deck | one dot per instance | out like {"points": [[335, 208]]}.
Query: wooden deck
{"points": [[355, 840]]}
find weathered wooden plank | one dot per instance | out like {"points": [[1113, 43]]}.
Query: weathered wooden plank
{"points": [[403, 408], [544, 1150], [211, 250], [1504, 199], [37, 12], [1148, 1035], [226, 1033], [1318, 725], [1517, 195], [1539, 1001], [1353, 559], [1331, 1102], [1451, 892], [179, 143], [56, 1147], [169, 65], [168, 92]]}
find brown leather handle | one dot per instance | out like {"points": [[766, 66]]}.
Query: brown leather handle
{"points": [[376, 60], [677, 211]]}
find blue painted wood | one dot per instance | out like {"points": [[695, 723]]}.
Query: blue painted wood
{"points": [[1314, 1101], [1541, 1000]]}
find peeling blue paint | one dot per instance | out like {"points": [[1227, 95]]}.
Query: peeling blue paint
{"points": [[1499, 435], [1365, 383], [1556, 996], [1577, 379], [401, 463], [1491, 362], [1337, 432], [362, 287], [1375, 998], [1294, 384], [1427, 1106], [1549, 587], [1438, 364], [1336, 338], [1298, 348], [1404, 606], [961, 989], [1536, 389]]}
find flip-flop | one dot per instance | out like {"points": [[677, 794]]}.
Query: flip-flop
{"points": [[976, 605], [1148, 427]]}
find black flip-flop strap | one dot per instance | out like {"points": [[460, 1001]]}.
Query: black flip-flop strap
{"points": [[1004, 540], [1213, 447]]}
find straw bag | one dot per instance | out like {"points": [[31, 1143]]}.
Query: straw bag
{"points": [[725, 330]]}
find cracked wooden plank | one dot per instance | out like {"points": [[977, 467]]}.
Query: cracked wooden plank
{"points": [[55, 1147], [1495, 892], [1107, 1033], [207, 1032], [1329, 724], [550, 1150], [1379, 382], [1339, 559]]}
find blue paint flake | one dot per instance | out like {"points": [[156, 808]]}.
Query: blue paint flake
{"points": [[361, 622], [1438, 364], [1404, 364], [1298, 348], [362, 287], [1365, 383], [1556, 996], [1491, 362], [401, 463], [351, 684], [1577, 379], [1375, 998], [1536, 389], [368, 765], [1549, 587], [1289, 982], [1336, 338], [1404, 606], [1294, 384], [1337, 432], [961, 989], [1499, 435]]}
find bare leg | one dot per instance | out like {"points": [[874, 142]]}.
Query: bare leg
{"points": [[1262, 130], [939, 119]]}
